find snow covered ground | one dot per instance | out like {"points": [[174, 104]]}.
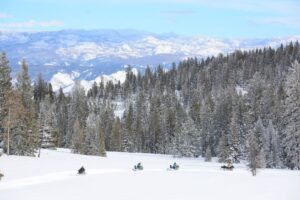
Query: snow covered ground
{"points": [[53, 176]]}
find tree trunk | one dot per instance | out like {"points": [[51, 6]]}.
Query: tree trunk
{"points": [[8, 131]]}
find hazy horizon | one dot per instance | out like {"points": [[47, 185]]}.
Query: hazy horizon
{"points": [[216, 18]]}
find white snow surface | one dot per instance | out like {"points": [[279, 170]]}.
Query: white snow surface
{"points": [[67, 81], [150, 45], [62, 80], [53, 176], [241, 90]]}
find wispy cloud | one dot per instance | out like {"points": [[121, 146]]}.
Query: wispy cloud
{"points": [[178, 12], [31, 24]]}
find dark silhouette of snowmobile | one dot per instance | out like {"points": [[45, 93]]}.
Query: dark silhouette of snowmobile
{"points": [[175, 166], [81, 170], [139, 166], [1, 175], [228, 166]]}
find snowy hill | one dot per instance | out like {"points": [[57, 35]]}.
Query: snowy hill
{"points": [[53, 176], [67, 81], [92, 53]]}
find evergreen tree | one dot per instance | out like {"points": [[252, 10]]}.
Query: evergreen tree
{"points": [[254, 154], [78, 109], [40, 88], [116, 137], [77, 138], [27, 129], [12, 124], [91, 141], [188, 140], [208, 154], [62, 118], [127, 140], [235, 150], [5, 91], [223, 149], [259, 133], [272, 150], [102, 151], [48, 124], [155, 126], [207, 128], [291, 119]]}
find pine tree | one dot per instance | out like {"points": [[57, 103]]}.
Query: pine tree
{"points": [[207, 123], [102, 151], [27, 131], [116, 143], [77, 138], [208, 154], [272, 150], [235, 150], [62, 118], [170, 129], [259, 133], [223, 149], [254, 154], [13, 122], [254, 99], [40, 88], [48, 124], [78, 109], [155, 126], [24, 85], [187, 140], [5, 90], [127, 139], [291, 119], [91, 141]]}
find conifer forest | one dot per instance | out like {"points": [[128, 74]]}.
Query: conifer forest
{"points": [[241, 106]]}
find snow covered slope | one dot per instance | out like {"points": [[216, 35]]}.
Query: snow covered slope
{"points": [[66, 81], [53, 176]]}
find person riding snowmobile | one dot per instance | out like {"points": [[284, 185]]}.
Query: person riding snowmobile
{"points": [[139, 166], [174, 166], [81, 170]]}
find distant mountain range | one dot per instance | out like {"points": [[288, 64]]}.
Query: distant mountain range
{"points": [[89, 54]]}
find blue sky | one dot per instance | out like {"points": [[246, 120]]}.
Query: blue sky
{"points": [[212, 18]]}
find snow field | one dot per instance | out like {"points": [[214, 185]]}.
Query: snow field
{"points": [[53, 176]]}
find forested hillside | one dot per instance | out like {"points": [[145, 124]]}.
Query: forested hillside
{"points": [[244, 105]]}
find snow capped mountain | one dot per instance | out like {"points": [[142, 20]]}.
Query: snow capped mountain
{"points": [[67, 81], [61, 80], [96, 52]]}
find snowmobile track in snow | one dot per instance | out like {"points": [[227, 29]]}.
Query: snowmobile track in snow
{"points": [[52, 177], [59, 176]]}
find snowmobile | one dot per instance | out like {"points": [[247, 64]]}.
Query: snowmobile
{"points": [[1, 175], [81, 170], [139, 166], [174, 166], [228, 166]]}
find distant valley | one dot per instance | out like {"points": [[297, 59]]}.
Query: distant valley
{"points": [[86, 55]]}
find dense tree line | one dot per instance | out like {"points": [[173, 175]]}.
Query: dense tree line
{"points": [[196, 108]]}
